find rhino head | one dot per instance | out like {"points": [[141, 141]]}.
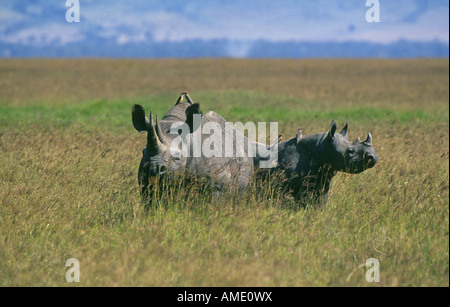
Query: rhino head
{"points": [[346, 156], [158, 158]]}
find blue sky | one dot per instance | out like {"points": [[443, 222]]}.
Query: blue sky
{"points": [[43, 21]]}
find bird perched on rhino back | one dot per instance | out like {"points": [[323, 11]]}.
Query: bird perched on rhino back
{"points": [[310, 162]]}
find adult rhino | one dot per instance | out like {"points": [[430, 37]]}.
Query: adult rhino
{"points": [[162, 157], [309, 163]]}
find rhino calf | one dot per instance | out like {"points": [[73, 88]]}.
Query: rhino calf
{"points": [[310, 162]]}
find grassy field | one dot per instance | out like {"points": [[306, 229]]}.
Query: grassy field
{"points": [[68, 175]]}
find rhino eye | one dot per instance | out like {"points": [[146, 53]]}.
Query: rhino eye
{"points": [[351, 151], [176, 155]]}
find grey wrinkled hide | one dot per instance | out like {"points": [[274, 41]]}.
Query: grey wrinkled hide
{"points": [[257, 148], [310, 162], [225, 173], [222, 173]]}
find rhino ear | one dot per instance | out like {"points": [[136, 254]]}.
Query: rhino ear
{"points": [[333, 128], [140, 121], [190, 111], [344, 131]]}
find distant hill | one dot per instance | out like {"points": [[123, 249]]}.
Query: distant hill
{"points": [[101, 47], [224, 28]]}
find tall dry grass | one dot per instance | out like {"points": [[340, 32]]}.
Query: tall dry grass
{"points": [[68, 176]]}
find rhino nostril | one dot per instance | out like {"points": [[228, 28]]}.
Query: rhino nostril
{"points": [[370, 160]]}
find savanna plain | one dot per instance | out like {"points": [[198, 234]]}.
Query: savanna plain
{"points": [[69, 157]]}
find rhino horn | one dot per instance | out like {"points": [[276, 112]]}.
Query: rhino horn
{"points": [[358, 140], [368, 140], [153, 142], [160, 133], [344, 131]]}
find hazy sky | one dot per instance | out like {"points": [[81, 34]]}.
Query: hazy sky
{"points": [[43, 21]]}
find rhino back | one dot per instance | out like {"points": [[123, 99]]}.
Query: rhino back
{"points": [[177, 113], [229, 171]]}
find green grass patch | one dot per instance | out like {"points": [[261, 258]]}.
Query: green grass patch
{"points": [[114, 115], [68, 176]]}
